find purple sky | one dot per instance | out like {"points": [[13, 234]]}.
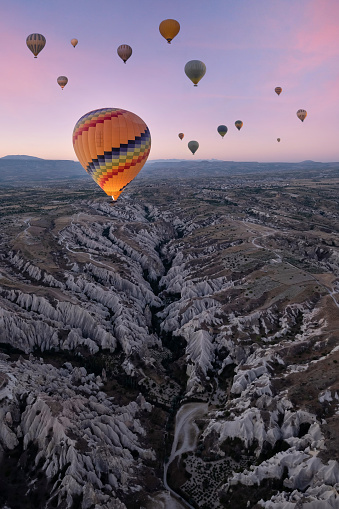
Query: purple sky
{"points": [[249, 47]]}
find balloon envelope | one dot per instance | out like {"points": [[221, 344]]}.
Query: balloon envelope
{"points": [[238, 124], [278, 139], [181, 135], [302, 114], [74, 42], [278, 90], [169, 28], [195, 70], [222, 130], [193, 146], [62, 81], [112, 145], [124, 51], [35, 43]]}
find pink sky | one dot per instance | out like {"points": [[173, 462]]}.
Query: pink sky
{"points": [[249, 47]]}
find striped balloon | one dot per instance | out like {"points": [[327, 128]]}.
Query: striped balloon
{"points": [[62, 81], [302, 114], [35, 42], [124, 51], [112, 145]]}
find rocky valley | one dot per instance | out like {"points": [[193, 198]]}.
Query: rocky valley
{"points": [[177, 348]]}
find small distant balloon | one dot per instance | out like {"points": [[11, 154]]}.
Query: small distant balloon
{"points": [[278, 90], [195, 70], [278, 139], [181, 135], [169, 28], [35, 43], [222, 130], [124, 51], [193, 146], [74, 42], [62, 81], [238, 124], [302, 114]]}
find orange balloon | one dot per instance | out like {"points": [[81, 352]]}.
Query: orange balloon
{"points": [[169, 28], [181, 135], [112, 145]]}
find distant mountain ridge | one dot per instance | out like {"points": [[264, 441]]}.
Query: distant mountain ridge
{"points": [[21, 157], [18, 170], [28, 170]]}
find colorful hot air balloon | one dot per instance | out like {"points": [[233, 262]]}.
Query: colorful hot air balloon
{"points": [[169, 28], [193, 146], [238, 124], [35, 43], [112, 145], [302, 114], [62, 81], [278, 90], [124, 51], [278, 139], [181, 135], [195, 70], [222, 130], [74, 42]]}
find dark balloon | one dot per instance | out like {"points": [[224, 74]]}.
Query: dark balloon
{"points": [[222, 130], [193, 146]]}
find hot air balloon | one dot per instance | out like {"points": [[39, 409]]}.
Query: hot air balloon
{"points": [[238, 124], [169, 28], [195, 70], [181, 135], [62, 81], [124, 51], [74, 42], [302, 114], [193, 146], [278, 90], [222, 130], [278, 139], [112, 145], [35, 43]]}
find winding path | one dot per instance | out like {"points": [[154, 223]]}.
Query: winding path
{"points": [[185, 438]]}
